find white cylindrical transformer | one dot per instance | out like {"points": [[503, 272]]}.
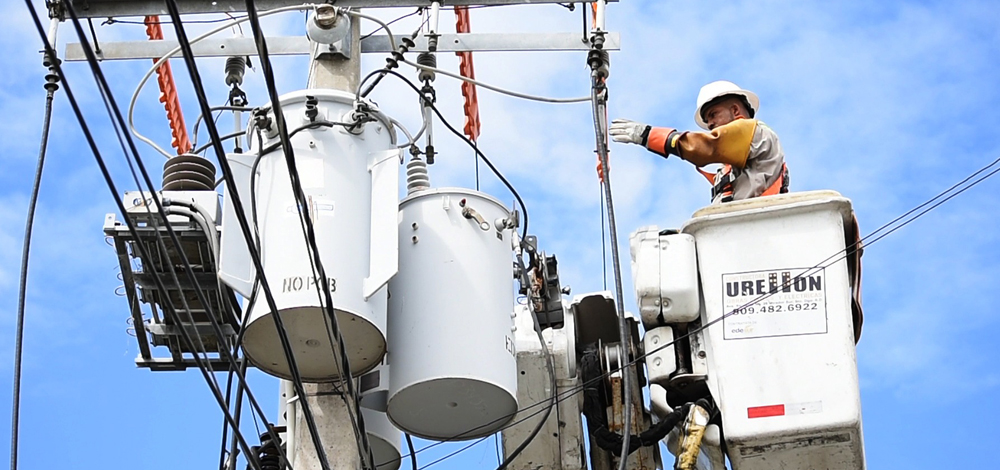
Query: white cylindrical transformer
{"points": [[334, 167], [454, 375], [384, 439]]}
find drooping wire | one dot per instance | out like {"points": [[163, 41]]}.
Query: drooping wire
{"points": [[357, 420], [489, 163], [51, 86], [110, 183], [380, 28]]}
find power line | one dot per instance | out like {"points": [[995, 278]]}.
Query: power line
{"points": [[51, 85], [119, 124], [489, 163], [220, 153], [107, 176]]}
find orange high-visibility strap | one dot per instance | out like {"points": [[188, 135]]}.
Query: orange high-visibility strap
{"points": [[709, 176], [778, 183], [465, 67], [168, 92]]}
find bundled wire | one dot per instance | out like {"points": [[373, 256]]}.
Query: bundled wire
{"points": [[51, 86], [114, 192]]}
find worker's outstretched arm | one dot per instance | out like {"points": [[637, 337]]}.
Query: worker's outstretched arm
{"points": [[729, 144]]}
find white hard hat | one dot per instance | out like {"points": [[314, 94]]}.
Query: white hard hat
{"points": [[722, 88]]}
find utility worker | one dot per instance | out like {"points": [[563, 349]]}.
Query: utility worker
{"points": [[751, 157]]}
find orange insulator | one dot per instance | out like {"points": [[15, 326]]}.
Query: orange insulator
{"points": [[168, 92], [465, 67]]}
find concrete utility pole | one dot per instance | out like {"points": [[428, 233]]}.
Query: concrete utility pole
{"points": [[330, 70]]}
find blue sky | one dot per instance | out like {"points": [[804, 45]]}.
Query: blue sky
{"points": [[887, 102]]}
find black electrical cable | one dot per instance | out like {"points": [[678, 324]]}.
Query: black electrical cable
{"points": [[357, 420], [107, 177], [112, 20], [380, 28], [119, 124], [51, 86], [413, 455], [197, 122], [326, 299], [255, 256], [224, 138], [599, 95]]}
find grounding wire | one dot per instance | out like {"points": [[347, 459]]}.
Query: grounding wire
{"points": [[569, 393], [111, 186], [599, 95], [118, 124], [176, 50], [199, 89], [493, 168], [497, 89], [319, 271], [51, 86]]}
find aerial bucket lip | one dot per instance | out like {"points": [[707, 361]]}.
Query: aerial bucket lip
{"points": [[353, 327], [472, 431]]}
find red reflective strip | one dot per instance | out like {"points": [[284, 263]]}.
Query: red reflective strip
{"points": [[765, 411]]}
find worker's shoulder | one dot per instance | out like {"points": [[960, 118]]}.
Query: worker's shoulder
{"points": [[761, 125]]}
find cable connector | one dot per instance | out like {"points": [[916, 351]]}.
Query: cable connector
{"points": [[598, 58], [312, 108]]}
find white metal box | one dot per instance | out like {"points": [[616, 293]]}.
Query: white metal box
{"points": [[665, 274], [781, 361]]}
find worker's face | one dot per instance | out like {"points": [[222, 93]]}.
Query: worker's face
{"points": [[722, 113]]}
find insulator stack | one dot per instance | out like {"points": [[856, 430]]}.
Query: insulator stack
{"points": [[236, 67], [416, 176], [427, 59], [188, 172], [268, 455]]}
